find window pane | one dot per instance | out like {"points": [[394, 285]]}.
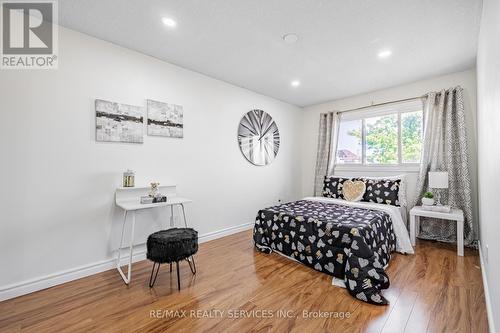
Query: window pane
{"points": [[411, 136], [349, 146], [382, 139]]}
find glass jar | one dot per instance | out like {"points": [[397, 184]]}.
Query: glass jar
{"points": [[128, 178]]}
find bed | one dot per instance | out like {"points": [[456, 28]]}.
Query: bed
{"points": [[351, 241]]}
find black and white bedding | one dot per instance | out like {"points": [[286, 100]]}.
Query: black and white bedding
{"points": [[352, 241]]}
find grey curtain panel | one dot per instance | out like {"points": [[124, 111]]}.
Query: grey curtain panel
{"points": [[327, 146], [445, 149]]}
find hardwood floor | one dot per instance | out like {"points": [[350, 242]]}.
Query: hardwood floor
{"points": [[432, 291]]}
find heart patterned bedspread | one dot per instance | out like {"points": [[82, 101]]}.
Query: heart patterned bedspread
{"points": [[349, 243]]}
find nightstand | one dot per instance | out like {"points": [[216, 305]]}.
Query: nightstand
{"points": [[454, 215]]}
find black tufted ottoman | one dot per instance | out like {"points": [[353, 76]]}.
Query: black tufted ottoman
{"points": [[172, 245]]}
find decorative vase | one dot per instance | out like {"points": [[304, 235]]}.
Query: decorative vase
{"points": [[427, 201]]}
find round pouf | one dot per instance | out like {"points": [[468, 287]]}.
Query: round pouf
{"points": [[172, 245]]}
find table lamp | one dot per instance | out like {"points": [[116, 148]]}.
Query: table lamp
{"points": [[438, 180]]}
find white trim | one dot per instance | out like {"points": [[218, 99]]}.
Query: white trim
{"points": [[47, 281], [363, 141], [487, 298], [225, 232], [402, 168], [400, 139]]}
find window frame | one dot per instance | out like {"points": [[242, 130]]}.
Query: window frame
{"points": [[398, 108]]}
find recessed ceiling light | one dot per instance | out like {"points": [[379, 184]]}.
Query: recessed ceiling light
{"points": [[290, 38], [169, 22], [384, 54], [295, 83]]}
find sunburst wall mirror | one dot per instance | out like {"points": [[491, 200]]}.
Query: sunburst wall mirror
{"points": [[258, 137]]}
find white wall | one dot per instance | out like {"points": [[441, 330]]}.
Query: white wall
{"points": [[57, 183], [488, 121], [466, 79]]}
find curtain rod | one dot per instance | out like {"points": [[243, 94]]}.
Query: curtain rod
{"points": [[384, 103]]}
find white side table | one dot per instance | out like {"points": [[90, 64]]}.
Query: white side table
{"points": [[454, 215]]}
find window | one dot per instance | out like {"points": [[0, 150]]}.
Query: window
{"points": [[388, 135], [411, 136], [381, 140], [349, 145]]}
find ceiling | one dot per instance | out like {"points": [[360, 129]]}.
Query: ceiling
{"points": [[240, 41]]}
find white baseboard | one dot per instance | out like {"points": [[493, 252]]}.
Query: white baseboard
{"points": [[225, 232], [43, 282], [489, 310]]}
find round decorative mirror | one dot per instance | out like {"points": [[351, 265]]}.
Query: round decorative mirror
{"points": [[258, 137]]}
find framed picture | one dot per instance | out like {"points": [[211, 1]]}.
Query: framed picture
{"points": [[117, 122], [165, 119]]}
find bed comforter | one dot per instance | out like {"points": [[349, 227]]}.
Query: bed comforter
{"points": [[353, 243]]}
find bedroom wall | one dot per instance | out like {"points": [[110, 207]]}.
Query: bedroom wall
{"points": [[467, 79], [488, 115], [57, 182]]}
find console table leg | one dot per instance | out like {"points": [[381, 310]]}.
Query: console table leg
{"points": [[121, 239], [184, 215], [127, 278], [131, 248], [171, 216]]}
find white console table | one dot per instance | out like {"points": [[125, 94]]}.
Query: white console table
{"points": [[129, 199]]}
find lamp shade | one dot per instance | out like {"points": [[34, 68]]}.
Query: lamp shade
{"points": [[438, 179]]}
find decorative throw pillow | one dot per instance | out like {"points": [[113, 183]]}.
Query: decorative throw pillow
{"points": [[332, 187], [353, 190], [402, 186], [383, 191]]}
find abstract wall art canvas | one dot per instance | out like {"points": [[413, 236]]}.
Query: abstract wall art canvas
{"points": [[117, 122], [165, 119]]}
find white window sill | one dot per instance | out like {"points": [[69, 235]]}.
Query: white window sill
{"points": [[403, 168]]}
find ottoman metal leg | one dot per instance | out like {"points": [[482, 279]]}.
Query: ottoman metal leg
{"points": [[193, 266], [178, 277], [151, 280]]}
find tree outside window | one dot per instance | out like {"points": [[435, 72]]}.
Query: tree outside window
{"points": [[382, 138]]}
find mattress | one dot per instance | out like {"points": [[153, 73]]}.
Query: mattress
{"points": [[350, 241]]}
